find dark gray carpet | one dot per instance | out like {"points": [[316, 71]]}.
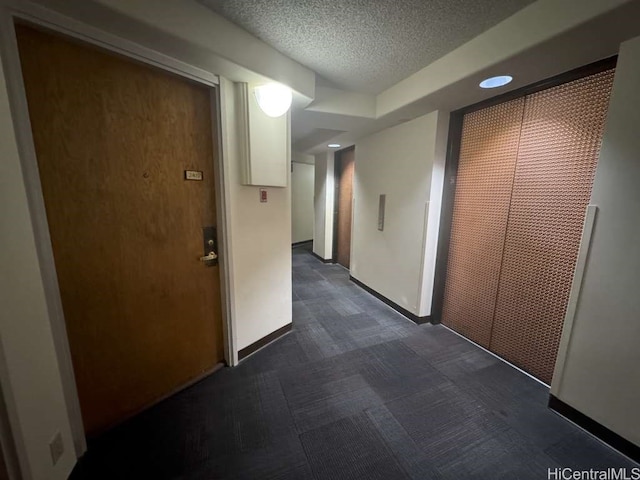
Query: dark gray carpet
{"points": [[355, 391]]}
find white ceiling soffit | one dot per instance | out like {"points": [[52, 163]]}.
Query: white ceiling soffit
{"points": [[366, 46], [331, 100], [297, 157], [547, 23], [545, 39], [318, 136]]}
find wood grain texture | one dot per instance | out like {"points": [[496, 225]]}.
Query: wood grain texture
{"points": [[345, 206], [113, 139]]}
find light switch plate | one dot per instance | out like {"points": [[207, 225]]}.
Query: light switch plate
{"points": [[56, 446]]}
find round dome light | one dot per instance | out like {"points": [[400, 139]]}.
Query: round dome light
{"points": [[495, 82], [274, 99]]}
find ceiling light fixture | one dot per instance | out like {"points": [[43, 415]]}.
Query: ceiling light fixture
{"points": [[274, 99], [495, 82], [334, 145]]}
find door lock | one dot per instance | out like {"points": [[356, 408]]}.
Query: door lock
{"points": [[210, 246]]}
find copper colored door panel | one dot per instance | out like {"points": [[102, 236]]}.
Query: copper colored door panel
{"points": [[558, 154], [113, 139], [481, 208], [345, 202]]}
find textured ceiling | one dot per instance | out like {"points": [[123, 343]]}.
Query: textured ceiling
{"points": [[365, 45]]}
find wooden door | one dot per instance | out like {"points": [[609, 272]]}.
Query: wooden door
{"points": [[4, 472], [346, 166], [113, 139]]}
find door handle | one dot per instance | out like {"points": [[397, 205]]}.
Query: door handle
{"points": [[211, 256]]}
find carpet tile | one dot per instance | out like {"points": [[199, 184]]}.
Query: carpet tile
{"points": [[354, 391]]}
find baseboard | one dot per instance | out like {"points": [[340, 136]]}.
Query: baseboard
{"points": [[609, 437], [411, 316], [323, 260], [255, 346], [300, 244]]}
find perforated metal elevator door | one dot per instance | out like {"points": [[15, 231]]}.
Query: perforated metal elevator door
{"points": [[524, 180], [561, 136], [484, 181]]}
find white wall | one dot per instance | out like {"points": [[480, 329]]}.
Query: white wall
{"points": [[29, 373], [302, 211], [323, 205], [598, 370], [432, 219], [260, 241], [398, 162]]}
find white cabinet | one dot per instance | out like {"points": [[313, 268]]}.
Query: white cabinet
{"points": [[264, 142]]}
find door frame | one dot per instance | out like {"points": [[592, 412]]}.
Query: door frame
{"points": [[15, 11], [337, 172], [453, 155], [8, 447]]}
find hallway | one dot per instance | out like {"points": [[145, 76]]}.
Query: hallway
{"points": [[355, 391]]}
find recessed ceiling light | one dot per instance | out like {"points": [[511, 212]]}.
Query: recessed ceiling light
{"points": [[495, 82], [334, 145]]}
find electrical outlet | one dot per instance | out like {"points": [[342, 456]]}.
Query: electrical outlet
{"points": [[56, 446]]}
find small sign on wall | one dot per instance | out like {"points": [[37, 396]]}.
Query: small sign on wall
{"points": [[193, 175], [263, 195]]}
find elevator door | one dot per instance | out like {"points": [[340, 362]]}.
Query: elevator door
{"points": [[524, 180], [481, 208], [562, 131]]}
